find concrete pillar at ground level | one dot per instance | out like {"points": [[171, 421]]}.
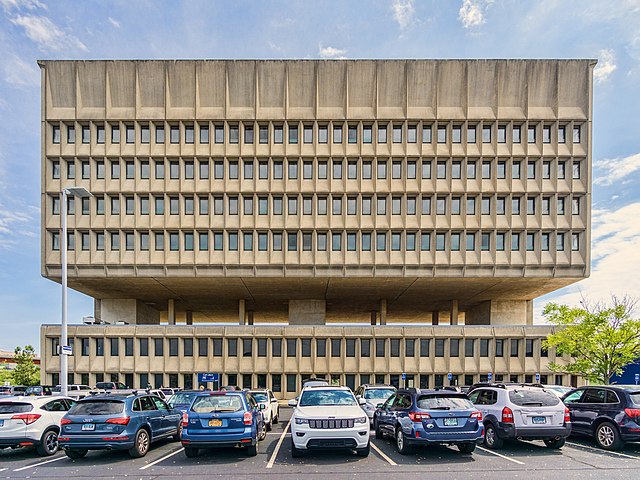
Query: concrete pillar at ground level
{"points": [[189, 317], [498, 312], [529, 312], [241, 312], [171, 314], [307, 312], [435, 317], [383, 311], [374, 317], [454, 312], [250, 317], [135, 312]]}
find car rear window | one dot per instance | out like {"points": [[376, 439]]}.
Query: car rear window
{"points": [[635, 398], [444, 402], [104, 385], [15, 407], [217, 403], [97, 407], [533, 398], [182, 398]]}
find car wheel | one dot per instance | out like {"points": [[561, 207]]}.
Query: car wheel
{"points": [[262, 434], [491, 439], [607, 437], [140, 444], [401, 442], [269, 426], [554, 443], [191, 452], [178, 435], [275, 419], [376, 427], [363, 452], [48, 444], [296, 452], [252, 450], [467, 447], [76, 453]]}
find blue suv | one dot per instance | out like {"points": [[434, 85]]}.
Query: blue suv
{"points": [[420, 417], [223, 419], [118, 422]]}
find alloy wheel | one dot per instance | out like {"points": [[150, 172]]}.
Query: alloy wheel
{"points": [[606, 435]]}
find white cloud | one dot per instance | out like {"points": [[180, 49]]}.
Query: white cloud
{"points": [[616, 169], [472, 12], [605, 67], [9, 5], [18, 72], [47, 34], [403, 12], [332, 52], [15, 223], [114, 22]]}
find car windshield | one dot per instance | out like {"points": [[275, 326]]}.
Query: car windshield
{"points": [[15, 407], [444, 402], [183, 398], [378, 393], [217, 403], [97, 407], [314, 398], [260, 397], [533, 398]]}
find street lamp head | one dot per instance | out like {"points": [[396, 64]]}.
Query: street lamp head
{"points": [[78, 192]]}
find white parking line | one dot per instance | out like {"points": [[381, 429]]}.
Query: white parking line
{"points": [[603, 451], [383, 455], [162, 458], [501, 456], [278, 445], [38, 464]]}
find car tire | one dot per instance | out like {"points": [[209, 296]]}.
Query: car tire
{"points": [[554, 443], [269, 426], [191, 452], [178, 434], [48, 443], [252, 450], [467, 447], [262, 434], [376, 428], [401, 442], [141, 444], [76, 453], [296, 452], [275, 419], [608, 437], [364, 452], [491, 438]]}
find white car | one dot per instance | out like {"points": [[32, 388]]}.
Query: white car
{"points": [[74, 391], [328, 417], [32, 421], [271, 409], [559, 390]]}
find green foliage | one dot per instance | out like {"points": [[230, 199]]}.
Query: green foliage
{"points": [[5, 374], [26, 372], [601, 340]]}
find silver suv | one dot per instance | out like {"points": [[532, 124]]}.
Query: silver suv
{"points": [[374, 394], [521, 412]]}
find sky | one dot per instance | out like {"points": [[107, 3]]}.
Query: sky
{"points": [[36, 29]]}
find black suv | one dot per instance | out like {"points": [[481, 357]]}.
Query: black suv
{"points": [[610, 414]]}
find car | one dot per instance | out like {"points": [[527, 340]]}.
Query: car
{"points": [[608, 413], [169, 391], [38, 390], [182, 400], [271, 410], [374, 394], [118, 422], [230, 388], [223, 419], [559, 390], [521, 412], [158, 393], [74, 391], [422, 417], [111, 386], [314, 382], [328, 417], [12, 390], [32, 421]]}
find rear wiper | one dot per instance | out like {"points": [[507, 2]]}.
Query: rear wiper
{"points": [[529, 404], [441, 408]]}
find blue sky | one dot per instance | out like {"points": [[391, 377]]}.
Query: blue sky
{"points": [[32, 29]]}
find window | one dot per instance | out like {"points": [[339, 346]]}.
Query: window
{"points": [[381, 205], [337, 170], [352, 134], [562, 130], [456, 170], [382, 133], [440, 241], [396, 170], [471, 205], [516, 134], [576, 134], [382, 170], [560, 241], [575, 242], [248, 134], [174, 241], [485, 241], [546, 205], [395, 241], [397, 133], [380, 347], [293, 134], [411, 205], [576, 170], [232, 347], [531, 205], [292, 205], [174, 170], [515, 345], [486, 134], [471, 134], [530, 241], [515, 241], [562, 170], [469, 347], [412, 134], [471, 169], [471, 242], [485, 206], [366, 205], [442, 134], [455, 241], [129, 205], [307, 133], [174, 205], [499, 347], [248, 170], [546, 134], [366, 134], [337, 134], [486, 170], [531, 170], [278, 170], [159, 241], [233, 241], [234, 134], [396, 205], [337, 206], [501, 170], [546, 170], [455, 205], [426, 133], [500, 241], [441, 170], [381, 241], [440, 347], [502, 134], [71, 134], [544, 241], [144, 241], [515, 206], [366, 241], [71, 169], [115, 205]]}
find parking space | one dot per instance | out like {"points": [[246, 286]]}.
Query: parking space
{"points": [[578, 459]]}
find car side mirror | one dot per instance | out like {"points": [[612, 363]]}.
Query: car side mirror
{"points": [[262, 406], [380, 405], [293, 402], [274, 400], [361, 401], [358, 397]]}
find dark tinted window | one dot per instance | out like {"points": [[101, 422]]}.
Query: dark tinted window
{"points": [[159, 346], [276, 347], [15, 407], [97, 407], [380, 344], [351, 347], [173, 347], [424, 347], [232, 347], [365, 347], [533, 398], [635, 397], [292, 344], [262, 347], [336, 344], [395, 347], [321, 347]]}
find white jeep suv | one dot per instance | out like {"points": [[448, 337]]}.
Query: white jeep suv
{"points": [[327, 417]]}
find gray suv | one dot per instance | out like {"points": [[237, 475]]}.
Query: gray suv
{"points": [[374, 394]]}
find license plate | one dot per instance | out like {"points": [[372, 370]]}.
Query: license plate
{"points": [[215, 423], [450, 422], [88, 426], [539, 420]]}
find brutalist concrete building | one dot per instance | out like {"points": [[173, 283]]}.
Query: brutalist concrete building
{"points": [[275, 220]]}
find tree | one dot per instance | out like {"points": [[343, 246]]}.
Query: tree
{"points": [[600, 339], [26, 372]]}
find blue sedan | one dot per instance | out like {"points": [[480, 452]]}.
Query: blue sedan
{"points": [[118, 422], [223, 419]]}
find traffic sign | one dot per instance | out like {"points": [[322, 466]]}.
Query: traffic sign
{"points": [[66, 350], [489, 376], [404, 376], [449, 376], [537, 378], [637, 376], [207, 377]]}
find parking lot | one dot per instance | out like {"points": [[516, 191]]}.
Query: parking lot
{"points": [[578, 459]]}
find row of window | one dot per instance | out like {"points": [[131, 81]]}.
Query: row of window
{"points": [[320, 241], [354, 169], [294, 381], [307, 347], [310, 132]]}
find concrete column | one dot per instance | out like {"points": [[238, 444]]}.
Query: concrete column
{"points": [[374, 317], [241, 311], [454, 312], [189, 317], [435, 317], [383, 311], [171, 314], [250, 317], [529, 312]]}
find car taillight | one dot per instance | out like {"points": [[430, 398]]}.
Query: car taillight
{"points": [[632, 412], [507, 415], [248, 418], [567, 415], [65, 421], [476, 415], [418, 416], [27, 418], [119, 420], [185, 419]]}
